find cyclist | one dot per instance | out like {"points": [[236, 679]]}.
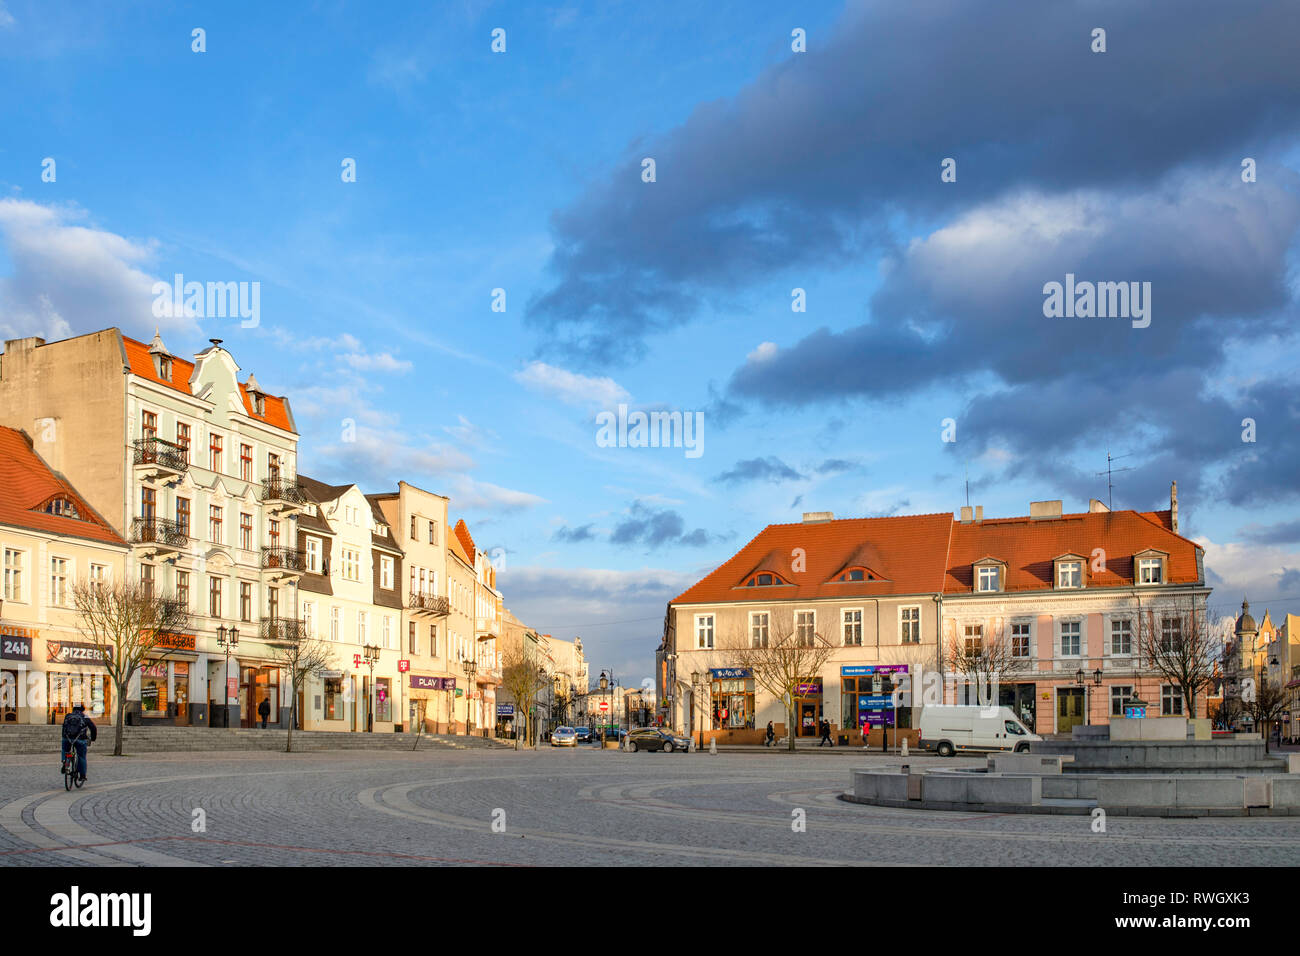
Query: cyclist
{"points": [[75, 728]]}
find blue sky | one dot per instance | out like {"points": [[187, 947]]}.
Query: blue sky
{"points": [[775, 170]]}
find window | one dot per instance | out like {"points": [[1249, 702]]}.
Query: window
{"points": [[433, 533], [973, 640], [336, 624], [805, 626], [59, 582], [214, 523], [98, 576], [763, 580], [215, 459], [414, 534], [148, 424], [246, 531], [1013, 728], [1150, 571], [1070, 639], [1121, 638], [273, 533], [148, 504], [410, 638], [214, 597], [1020, 640], [433, 640], [309, 618], [245, 601], [351, 564], [1069, 574], [1171, 701], [1120, 695], [989, 578], [273, 466], [334, 700], [388, 632], [853, 627], [183, 516], [146, 580], [704, 632], [1171, 635], [246, 462], [183, 439], [183, 589], [758, 628], [13, 575], [165, 368], [855, 574], [909, 622], [273, 602], [313, 554], [386, 573], [363, 627]]}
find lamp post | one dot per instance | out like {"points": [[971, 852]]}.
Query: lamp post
{"points": [[537, 711], [604, 686], [696, 681], [471, 668], [370, 655], [227, 638]]}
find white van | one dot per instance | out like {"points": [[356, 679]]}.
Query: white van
{"points": [[947, 730]]}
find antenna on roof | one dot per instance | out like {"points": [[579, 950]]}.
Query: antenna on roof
{"points": [[1110, 485], [967, 485]]}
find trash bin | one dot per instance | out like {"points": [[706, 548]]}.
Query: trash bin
{"points": [[843, 740]]}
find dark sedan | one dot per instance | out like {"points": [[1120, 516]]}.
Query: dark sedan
{"points": [[584, 734], [654, 738]]}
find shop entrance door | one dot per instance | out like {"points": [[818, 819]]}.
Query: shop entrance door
{"points": [[1069, 708], [809, 716], [9, 697]]}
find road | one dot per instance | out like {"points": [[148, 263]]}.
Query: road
{"points": [[578, 807]]}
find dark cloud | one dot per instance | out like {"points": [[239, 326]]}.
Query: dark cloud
{"points": [[771, 469], [655, 527], [1283, 532], [1288, 582], [833, 466], [797, 502], [815, 159], [573, 535]]}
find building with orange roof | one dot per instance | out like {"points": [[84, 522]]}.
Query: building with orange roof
{"points": [[1066, 595], [196, 469], [50, 538]]}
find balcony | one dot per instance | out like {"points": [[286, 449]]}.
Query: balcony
{"points": [[487, 628], [284, 495], [163, 537], [488, 678], [430, 604], [158, 460], [281, 630], [282, 563]]}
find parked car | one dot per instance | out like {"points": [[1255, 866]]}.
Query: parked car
{"points": [[564, 737], [655, 738], [946, 730], [584, 735]]}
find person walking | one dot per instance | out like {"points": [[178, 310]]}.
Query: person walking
{"points": [[826, 734], [264, 710], [769, 739]]}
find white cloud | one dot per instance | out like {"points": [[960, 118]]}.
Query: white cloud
{"points": [[6, 18], [376, 362], [1248, 570], [765, 351], [570, 388], [70, 278]]}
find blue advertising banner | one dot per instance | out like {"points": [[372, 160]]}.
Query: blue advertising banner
{"points": [[505, 710], [866, 670], [731, 673], [875, 702]]}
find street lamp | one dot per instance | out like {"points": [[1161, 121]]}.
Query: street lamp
{"points": [[696, 683], [537, 710], [604, 686], [370, 655], [227, 638], [471, 668]]}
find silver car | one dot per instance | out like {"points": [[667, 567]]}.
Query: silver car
{"points": [[564, 737]]}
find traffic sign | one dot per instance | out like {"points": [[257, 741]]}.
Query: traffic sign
{"points": [[604, 705]]}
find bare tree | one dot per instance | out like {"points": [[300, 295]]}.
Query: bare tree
{"points": [[1266, 703], [519, 679], [790, 654], [301, 656], [1183, 646], [126, 622], [984, 658]]}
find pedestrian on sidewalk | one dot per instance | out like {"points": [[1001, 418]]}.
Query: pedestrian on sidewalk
{"points": [[826, 734], [770, 739], [264, 710]]}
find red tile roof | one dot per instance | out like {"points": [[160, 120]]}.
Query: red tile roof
{"points": [[26, 482], [466, 541], [927, 554], [137, 354]]}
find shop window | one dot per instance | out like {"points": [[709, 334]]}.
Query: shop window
{"points": [[153, 689], [732, 704], [383, 699], [334, 698]]}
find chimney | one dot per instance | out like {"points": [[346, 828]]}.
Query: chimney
{"points": [[1097, 506], [1045, 509], [965, 514], [816, 517], [1173, 504], [979, 513]]}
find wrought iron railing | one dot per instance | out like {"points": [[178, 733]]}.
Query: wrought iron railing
{"points": [[430, 603], [164, 454], [282, 629], [283, 489], [287, 559], [158, 531]]}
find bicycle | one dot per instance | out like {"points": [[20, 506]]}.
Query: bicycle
{"points": [[70, 775]]}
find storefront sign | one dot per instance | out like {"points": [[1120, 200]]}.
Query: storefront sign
{"points": [[176, 642], [403, 666], [1133, 712], [875, 702], [505, 710], [880, 718], [420, 682], [74, 652], [808, 690], [731, 673], [16, 643], [154, 669], [866, 670]]}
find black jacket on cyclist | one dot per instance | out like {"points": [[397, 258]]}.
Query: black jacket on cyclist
{"points": [[76, 723]]}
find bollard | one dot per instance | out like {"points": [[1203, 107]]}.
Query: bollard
{"points": [[903, 752], [713, 745]]}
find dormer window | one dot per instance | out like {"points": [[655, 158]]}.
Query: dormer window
{"points": [[856, 574], [764, 579], [1150, 571], [1069, 574], [63, 507], [988, 578], [259, 404]]}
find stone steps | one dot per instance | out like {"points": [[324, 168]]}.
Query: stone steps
{"points": [[35, 739]]}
